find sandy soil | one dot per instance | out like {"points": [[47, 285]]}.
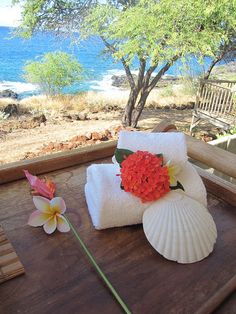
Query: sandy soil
{"points": [[17, 143]]}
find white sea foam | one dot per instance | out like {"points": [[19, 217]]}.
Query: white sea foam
{"points": [[17, 87], [105, 84]]}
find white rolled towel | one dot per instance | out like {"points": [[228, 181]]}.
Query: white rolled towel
{"points": [[192, 183], [109, 206], [171, 145]]}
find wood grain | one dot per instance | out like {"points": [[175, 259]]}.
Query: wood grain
{"points": [[214, 301], [217, 186], [10, 265], [60, 279], [14, 171], [210, 155]]}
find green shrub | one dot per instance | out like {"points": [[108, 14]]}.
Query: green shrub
{"points": [[167, 91], [55, 71]]}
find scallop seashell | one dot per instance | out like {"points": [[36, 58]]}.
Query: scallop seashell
{"points": [[180, 228]]}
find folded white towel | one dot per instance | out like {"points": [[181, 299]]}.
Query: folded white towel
{"points": [[109, 206], [171, 145], [192, 183]]}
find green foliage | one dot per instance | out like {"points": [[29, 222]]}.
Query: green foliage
{"points": [[149, 29], [226, 134], [60, 16], [122, 154], [53, 72], [156, 33], [233, 131], [160, 30], [167, 91]]}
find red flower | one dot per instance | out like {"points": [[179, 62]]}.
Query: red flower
{"points": [[143, 175]]}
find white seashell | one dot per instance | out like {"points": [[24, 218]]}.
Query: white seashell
{"points": [[180, 228]]}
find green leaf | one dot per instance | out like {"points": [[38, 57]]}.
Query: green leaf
{"points": [[160, 156], [178, 186], [121, 154]]}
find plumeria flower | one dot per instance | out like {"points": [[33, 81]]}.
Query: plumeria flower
{"points": [[49, 214], [173, 170]]}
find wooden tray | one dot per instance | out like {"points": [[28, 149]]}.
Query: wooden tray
{"points": [[59, 278], [10, 265]]}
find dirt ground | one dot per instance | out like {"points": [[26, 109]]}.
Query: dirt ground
{"points": [[20, 138]]}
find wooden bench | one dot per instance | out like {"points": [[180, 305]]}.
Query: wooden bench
{"points": [[215, 103]]}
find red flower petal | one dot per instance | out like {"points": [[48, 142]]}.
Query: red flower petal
{"points": [[142, 175]]}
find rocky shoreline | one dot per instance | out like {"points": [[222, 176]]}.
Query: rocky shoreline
{"points": [[121, 81], [8, 93]]}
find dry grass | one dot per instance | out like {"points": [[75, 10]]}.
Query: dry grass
{"points": [[97, 100], [70, 103], [5, 101]]}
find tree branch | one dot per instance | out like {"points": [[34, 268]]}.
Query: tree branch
{"points": [[161, 72], [149, 73], [125, 65], [142, 66], [216, 60]]}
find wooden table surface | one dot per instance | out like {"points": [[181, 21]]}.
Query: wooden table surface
{"points": [[59, 278]]}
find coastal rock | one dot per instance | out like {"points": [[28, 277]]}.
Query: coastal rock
{"points": [[96, 136], [122, 82], [109, 108], [39, 119], [8, 93], [67, 117], [82, 116], [79, 138], [190, 104], [11, 110], [108, 134], [88, 135]]}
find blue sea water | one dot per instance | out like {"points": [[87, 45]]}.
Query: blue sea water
{"points": [[15, 52]]}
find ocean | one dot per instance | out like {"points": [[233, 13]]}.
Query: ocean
{"points": [[15, 52]]}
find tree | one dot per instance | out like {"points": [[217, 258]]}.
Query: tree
{"points": [[154, 33], [226, 52], [55, 71]]}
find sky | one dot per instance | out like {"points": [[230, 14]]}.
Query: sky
{"points": [[9, 15]]}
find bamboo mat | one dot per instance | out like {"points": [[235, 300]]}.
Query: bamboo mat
{"points": [[10, 265]]}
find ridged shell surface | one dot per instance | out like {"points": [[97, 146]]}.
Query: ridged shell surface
{"points": [[180, 228]]}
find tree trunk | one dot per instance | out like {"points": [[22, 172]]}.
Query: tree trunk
{"points": [[208, 72], [131, 116], [127, 117], [139, 108], [214, 62]]}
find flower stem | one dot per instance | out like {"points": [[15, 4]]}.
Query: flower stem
{"points": [[98, 269]]}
